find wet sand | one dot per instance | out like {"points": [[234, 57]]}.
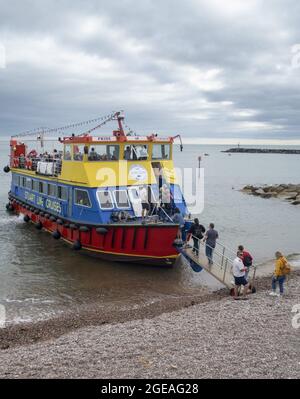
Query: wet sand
{"points": [[206, 336]]}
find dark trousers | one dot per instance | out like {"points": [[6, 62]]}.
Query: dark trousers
{"points": [[209, 253], [196, 245]]}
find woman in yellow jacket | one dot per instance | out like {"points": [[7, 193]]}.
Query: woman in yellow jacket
{"points": [[281, 269]]}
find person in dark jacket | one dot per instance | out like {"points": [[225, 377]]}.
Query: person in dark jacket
{"points": [[196, 231]]}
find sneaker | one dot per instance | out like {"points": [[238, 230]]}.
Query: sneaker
{"points": [[272, 293]]}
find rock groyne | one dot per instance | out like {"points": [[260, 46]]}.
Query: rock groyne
{"points": [[286, 192], [263, 150]]}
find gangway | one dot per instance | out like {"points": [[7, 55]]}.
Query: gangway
{"points": [[220, 269]]}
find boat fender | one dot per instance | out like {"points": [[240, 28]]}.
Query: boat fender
{"points": [[26, 218], [32, 209], [77, 245], [39, 226], [56, 234], [101, 230], [42, 214], [47, 215], [59, 221], [84, 229], [52, 218], [6, 169], [37, 212], [73, 226], [9, 207], [66, 225]]}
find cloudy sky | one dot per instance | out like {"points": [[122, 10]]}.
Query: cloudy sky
{"points": [[202, 68]]}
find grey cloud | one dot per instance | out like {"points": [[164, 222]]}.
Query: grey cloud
{"points": [[251, 50]]}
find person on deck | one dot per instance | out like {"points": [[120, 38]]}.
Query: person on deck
{"points": [[196, 231], [282, 269], [93, 156], [210, 238], [127, 153], [145, 201], [166, 198], [178, 219]]}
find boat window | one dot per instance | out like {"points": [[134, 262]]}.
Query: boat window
{"points": [[23, 182], [62, 192], [51, 190], [16, 180], [35, 185], [161, 151], [28, 183], [78, 151], [121, 199], [68, 152], [82, 198], [136, 152], [42, 187], [105, 200], [103, 152]]}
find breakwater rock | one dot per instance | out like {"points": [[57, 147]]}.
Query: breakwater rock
{"points": [[263, 150], [286, 192]]}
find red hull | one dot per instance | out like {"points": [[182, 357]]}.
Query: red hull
{"points": [[147, 244]]}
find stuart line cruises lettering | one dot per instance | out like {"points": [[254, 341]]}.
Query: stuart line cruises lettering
{"points": [[47, 204]]}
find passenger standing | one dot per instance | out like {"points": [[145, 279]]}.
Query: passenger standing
{"points": [[210, 238], [282, 269], [166, 199], [196, 231], [247, 260], [127, 153], [178, 218], [145, 201], [239, 270]]}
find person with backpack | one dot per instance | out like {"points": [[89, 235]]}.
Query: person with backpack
{"points": [[196, 231], [238, 271], [282, 269], [247, 259]]}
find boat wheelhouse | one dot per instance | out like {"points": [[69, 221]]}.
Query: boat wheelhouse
{"points": [[87, 191]]}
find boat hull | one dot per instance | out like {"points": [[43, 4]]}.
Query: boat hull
{"points": [[150, 244]]}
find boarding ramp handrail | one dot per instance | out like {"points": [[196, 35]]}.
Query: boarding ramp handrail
{"points": [[221, 268]]}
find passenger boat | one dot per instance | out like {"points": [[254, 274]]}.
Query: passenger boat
{"points": [[88, 193]]}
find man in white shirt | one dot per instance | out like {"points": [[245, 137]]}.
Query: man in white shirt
{"points": [[239, 271], [145, 201]]}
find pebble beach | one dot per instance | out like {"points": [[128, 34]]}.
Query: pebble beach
{"points": [[212, 336]]}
